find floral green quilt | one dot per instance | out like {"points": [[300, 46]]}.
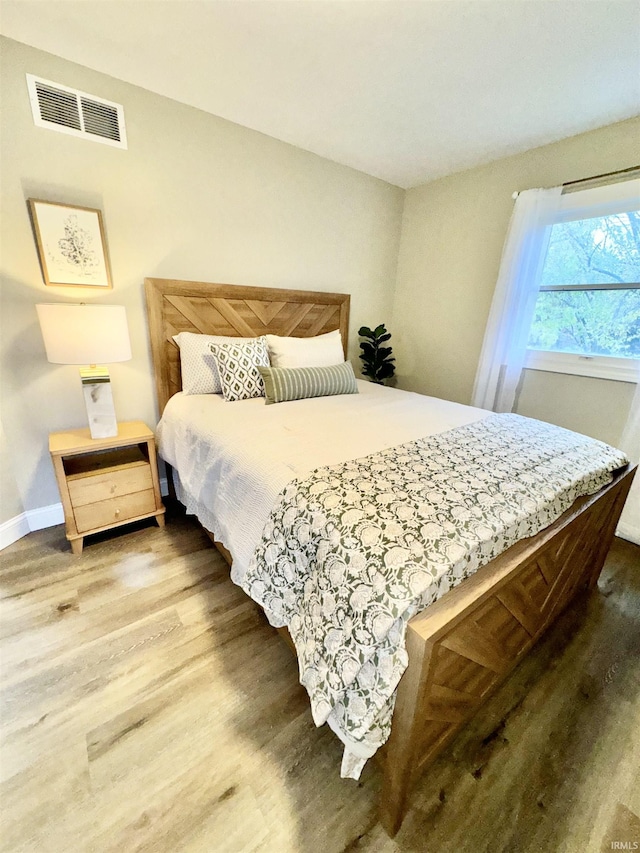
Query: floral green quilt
{"points": [[352, 552]]}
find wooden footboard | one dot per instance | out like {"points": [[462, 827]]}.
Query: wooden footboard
{"points": [[462, 647]]}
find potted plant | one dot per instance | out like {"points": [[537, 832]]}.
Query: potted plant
{"points": [[378, 363]]}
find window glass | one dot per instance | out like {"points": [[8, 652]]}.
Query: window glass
{"points": [[589, 301], [604, 250], [589, 322]]}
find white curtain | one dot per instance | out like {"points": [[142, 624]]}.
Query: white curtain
{"points": [[505, 342], [629, 526]]}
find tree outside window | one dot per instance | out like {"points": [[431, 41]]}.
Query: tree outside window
{"points": [[589, 300]]}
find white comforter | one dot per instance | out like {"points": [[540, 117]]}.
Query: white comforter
{"points": [[235, 458]]}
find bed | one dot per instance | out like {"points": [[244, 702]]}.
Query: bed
{"points": [[461, 647]]}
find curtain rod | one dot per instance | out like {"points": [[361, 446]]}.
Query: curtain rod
{"points": [[593, 178], [604, 175]]}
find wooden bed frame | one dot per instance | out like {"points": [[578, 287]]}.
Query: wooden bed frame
{"points": [[462, 647]]}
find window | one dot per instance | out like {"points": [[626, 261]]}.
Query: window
{"points": [[587, 313]]}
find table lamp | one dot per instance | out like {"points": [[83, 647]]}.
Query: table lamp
{"points": [[88, 335]]}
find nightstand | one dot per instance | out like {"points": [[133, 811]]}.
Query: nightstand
{"points": [[106, 482]]}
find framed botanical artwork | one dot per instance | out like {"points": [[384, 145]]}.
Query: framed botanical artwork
{"points": [[71, 244]]}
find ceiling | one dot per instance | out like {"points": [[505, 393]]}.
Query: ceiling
{"points": [[406, 90]]}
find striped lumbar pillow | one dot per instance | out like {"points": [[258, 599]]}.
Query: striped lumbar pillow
{"points": [[282, 384]]}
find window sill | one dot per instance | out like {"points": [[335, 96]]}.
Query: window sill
{"points": [[598, 366]]}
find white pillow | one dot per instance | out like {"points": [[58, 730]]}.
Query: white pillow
{"points": [[238, 368], [197, 365], [321, 351]]}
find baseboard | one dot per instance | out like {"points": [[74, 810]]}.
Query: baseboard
{"points": [[27, 522], [14, 529], [45, 516], [37, 519], [33, 519], [629, 532]]}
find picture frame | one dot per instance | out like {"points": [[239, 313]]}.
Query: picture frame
{"points": [[71, 242]]}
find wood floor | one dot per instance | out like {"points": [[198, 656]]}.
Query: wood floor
{"points": [[147, 706]]}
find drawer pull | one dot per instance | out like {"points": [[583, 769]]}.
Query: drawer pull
{"points": [[117, 513]]}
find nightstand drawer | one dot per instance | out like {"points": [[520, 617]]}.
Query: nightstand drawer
{"points": [[113, 484], [114, 510]]}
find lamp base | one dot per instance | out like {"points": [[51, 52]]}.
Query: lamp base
{"points": [[98, 399]]}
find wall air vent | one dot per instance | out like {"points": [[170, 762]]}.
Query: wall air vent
{"points": [[77, 113]]}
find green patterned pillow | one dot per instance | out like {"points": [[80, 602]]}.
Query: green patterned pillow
{"points": [[282, 384], [238, 366]]}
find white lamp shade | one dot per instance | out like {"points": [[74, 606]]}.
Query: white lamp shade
{"points": [[84, 334]]}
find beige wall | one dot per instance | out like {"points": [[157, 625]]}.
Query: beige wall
{"points": [[10, 501], [193, 197], [596, 407], [452, 237]]}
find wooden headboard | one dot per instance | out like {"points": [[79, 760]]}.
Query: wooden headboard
{"points": [[234, 310]]}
